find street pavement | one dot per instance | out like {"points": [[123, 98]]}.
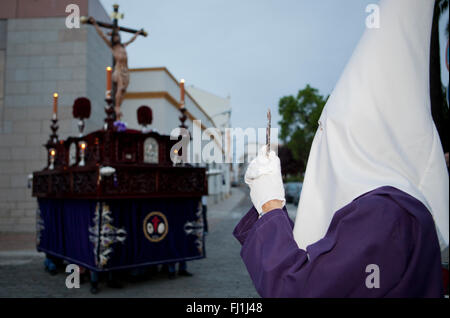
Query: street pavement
{"points": [[221, 274]]}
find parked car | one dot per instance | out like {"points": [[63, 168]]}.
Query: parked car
{"points": [[235, 184], [292, 191]]}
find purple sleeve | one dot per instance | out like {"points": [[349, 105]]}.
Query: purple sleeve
{"points": [[362, 234], [245, 225]]}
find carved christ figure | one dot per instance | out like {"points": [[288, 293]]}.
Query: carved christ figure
{"points": [[121, 74]]}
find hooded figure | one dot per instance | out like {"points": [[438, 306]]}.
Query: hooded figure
{"points": [[373, 213]]}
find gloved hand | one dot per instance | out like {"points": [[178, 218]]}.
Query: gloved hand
{"points": [[263, 176]]}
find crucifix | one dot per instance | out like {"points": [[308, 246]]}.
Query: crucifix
{"points": [[121, 74]]}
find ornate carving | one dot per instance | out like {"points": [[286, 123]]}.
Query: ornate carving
{"points": [[85, 182], [151, 150], [196, 228], [131, 181], [41, 184], [135, 176], [126, 148], [40, 226], [103, 234], [178, 181], [60, 183], [73, 154]]}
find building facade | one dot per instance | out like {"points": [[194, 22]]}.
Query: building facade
{"points": [[39, 55], [219, 109]]}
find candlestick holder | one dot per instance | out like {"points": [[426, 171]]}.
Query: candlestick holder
{"points": [[54, 128], [175, 158], [110, 113], [52, 153], [82, 145], [184, 131], [81, 127], [183, 116]]}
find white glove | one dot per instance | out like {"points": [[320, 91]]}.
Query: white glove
{"points": [[263, 176]]}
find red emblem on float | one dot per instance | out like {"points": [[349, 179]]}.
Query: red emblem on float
{"points": [[155, 226]]}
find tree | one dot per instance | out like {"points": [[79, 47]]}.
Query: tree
{"points": [[299, 122], [439, 107], [289, 166]]}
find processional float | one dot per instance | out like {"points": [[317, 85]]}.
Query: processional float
{"points": [[114, 199]]}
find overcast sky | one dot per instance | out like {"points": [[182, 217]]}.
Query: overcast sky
{"points": [[256, 51]]}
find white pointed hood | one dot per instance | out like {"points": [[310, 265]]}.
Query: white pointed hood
{"points": [[376, 128]]}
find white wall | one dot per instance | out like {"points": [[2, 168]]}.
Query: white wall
{"points": [[158, 80], [42, 56], [166, 116]]}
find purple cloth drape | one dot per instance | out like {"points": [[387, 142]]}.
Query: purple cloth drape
{"points": [[385, 227]]}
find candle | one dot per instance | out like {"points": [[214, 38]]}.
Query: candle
{"points": [[55, 104], [82, 146], [52, 159], [182, 92], [108, 78]]}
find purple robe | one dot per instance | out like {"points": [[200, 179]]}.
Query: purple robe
{"points": [[385, 227]]}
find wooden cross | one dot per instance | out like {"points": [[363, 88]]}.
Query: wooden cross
{"points": [[115, 28]]}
